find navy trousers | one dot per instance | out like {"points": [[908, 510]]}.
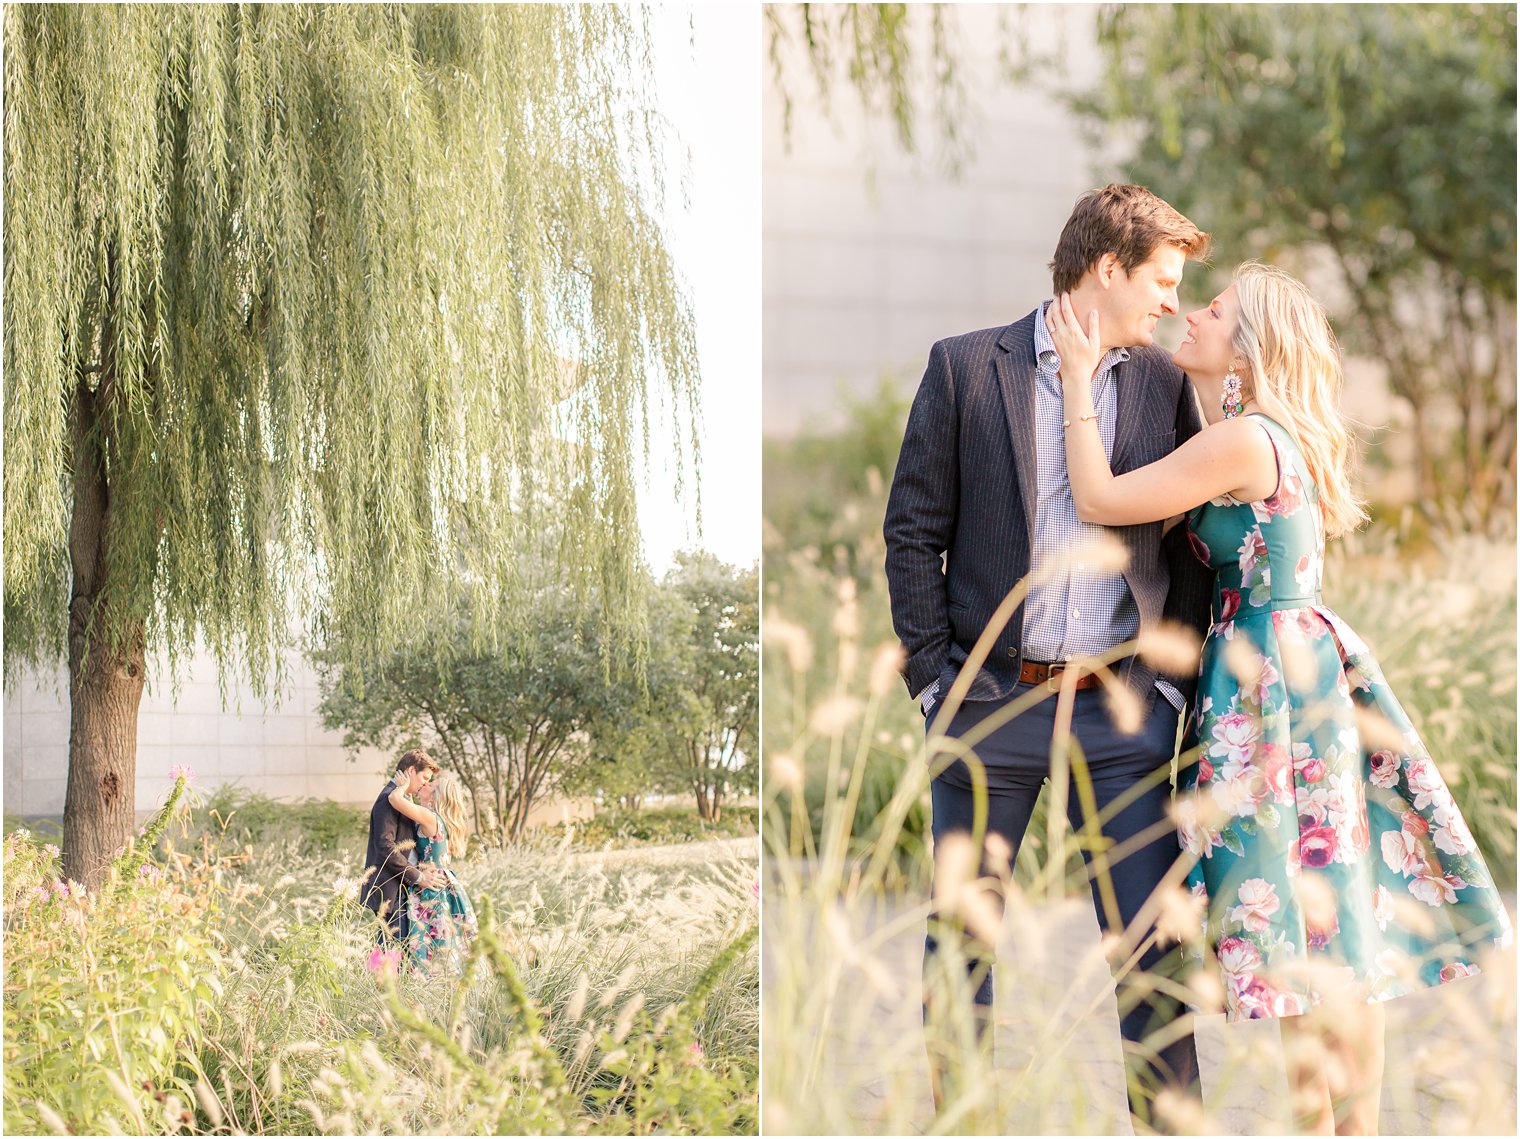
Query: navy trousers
{"points": [[1016, 757]]}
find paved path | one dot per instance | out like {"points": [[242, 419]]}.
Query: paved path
{"points": [[1450, 1068], [712, 849]]}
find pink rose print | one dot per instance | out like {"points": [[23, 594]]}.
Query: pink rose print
{"points": [[1454, 838], [1314, 805], [1382, 906], [1258, 902], [1278, 771], [1432, 891], [1237, 955], [1385, 769], [1320, 934], [1205, 770], [1252, 550], [1313, 769], [1457, 970], [1289, 496], [1229, 604], [1424, 781], [1196, 839], [1411, 822], [1199, 548], [1236, 733], [1303, 574], [1402, 852], [1317, 847], [1238, 788], [1265, 679], [1309, 623], [1259, 1000]]}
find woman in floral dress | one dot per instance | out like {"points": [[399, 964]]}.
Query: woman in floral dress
{"points": [[1337, 869], [442, 921]]}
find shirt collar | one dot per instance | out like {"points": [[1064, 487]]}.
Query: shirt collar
{"points": [[1045, 348]]}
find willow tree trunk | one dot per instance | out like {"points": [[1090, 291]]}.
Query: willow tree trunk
{"points": [[107, 648], [107, 669], [105, 692]]}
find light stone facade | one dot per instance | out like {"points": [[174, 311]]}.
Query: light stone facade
{"points": [[871, 255], [279, 749]]}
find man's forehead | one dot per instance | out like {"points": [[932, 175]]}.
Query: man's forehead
{"points": [[1167, 261]]}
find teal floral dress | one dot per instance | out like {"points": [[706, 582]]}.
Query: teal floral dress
{"points": [[1330, 853], [442, 921]]}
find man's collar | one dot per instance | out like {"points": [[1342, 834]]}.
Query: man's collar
{"points": [[1044, 345]]}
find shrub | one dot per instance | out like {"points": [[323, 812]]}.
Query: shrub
{"points": [[105, 991], [235, 816], [662, 826]]}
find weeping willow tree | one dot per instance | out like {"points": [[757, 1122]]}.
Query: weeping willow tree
{"points": [[308, 308]]}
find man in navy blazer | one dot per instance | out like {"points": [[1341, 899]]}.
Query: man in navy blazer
{"points": [[980, 502], [389, 873]]}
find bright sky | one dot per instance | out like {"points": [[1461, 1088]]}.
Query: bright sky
{"points": [[708, 84]]}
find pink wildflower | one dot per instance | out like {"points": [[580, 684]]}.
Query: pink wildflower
{"points": [[694, 1054], [384, 963], [182, 771], [52, 851]]}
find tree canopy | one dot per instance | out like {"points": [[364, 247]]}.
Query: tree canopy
{"points": [[1377, 143], [330, 276], [306, 304]]}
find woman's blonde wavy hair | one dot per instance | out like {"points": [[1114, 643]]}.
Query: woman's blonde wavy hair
{"points": [[1295, 376], [448, 802]]}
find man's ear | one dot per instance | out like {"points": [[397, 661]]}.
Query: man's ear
{"points": [[1104, 269]]}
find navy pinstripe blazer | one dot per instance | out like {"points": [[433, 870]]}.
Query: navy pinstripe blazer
{"points": [[964, 491]]}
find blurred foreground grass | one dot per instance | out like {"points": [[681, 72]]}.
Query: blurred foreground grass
{"points": [[218, 988]]}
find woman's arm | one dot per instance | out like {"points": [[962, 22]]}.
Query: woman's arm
{"points": [[419, 814], [1230, 457]]}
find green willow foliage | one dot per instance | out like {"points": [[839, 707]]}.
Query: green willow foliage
{"points": [[1371, 146], [364, 296]]}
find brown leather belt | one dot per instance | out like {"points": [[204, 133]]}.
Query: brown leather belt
{"points": [[1038, 672]]}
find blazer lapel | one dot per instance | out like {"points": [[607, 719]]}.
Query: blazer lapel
{"points": [[1128, 408], [1015, 372]]}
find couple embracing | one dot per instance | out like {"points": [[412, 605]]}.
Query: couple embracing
{"points": [[416, 825], [1334, 868]]}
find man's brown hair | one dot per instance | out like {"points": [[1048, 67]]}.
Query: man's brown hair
{"points": [[1127, 221], [417, 758]]}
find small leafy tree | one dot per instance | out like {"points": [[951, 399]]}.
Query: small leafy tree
{"points": [[714, 710], [511, 720]]}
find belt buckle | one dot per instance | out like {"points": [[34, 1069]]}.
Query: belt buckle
{"points": [[1053, 673]]}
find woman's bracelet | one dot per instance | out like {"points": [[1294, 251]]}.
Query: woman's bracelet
{"points": [[1080, 419]]}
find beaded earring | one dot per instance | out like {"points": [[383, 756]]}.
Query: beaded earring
{"points": [[1232, 403]]}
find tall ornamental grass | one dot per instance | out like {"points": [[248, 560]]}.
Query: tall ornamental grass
{"points": [[203, 991]]}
